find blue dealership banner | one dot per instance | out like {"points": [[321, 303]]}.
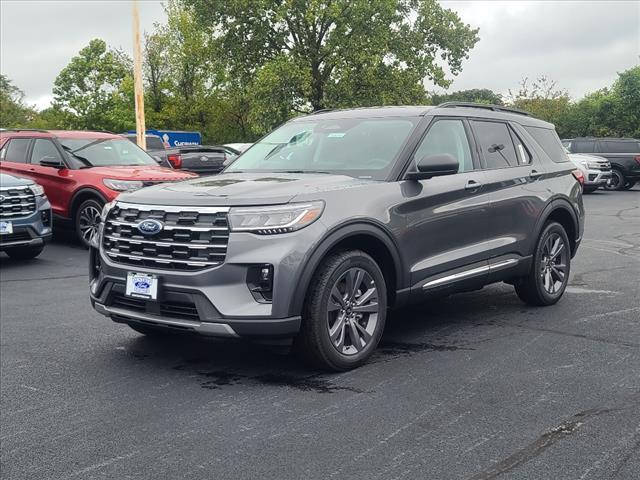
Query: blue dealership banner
{"points": [[173, 138]]}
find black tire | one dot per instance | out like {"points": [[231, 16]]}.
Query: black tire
{"points": [[314, 342], [532, 288], [25, 253], [629, 185], [617, 181], [84, 219], [589, 189], [150, 331]]}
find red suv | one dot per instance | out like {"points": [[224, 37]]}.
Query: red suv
{"points": [[81, 171]]}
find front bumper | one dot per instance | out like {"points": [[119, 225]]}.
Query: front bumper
{"points": [[32, 231], [597, 177], [214, 301]]}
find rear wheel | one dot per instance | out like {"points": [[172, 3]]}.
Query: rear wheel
{"points": [[549, 274], [345, 312], [25, 253], [617, 181], [87, 220]]}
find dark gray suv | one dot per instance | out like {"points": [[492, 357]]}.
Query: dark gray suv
{"points": [[333, 218]]}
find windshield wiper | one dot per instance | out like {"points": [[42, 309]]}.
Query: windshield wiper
{"points": [[79, 157], [304, 171]]}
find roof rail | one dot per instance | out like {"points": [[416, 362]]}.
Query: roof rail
{"points": [[24, 130], [322, 110], [495, 108]]}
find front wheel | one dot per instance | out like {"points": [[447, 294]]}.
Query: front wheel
{"points": [[617, 181], [87, 220], [549, 274], [345, 312], [629, 185], [25, 253]]}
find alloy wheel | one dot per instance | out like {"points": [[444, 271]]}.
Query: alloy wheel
{"points": [[352, 311], [553, 264], [89, 222]]}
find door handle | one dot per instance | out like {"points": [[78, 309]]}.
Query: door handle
{"points": [[472, 185], [535, 174]]}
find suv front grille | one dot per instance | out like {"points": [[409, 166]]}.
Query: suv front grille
{"points": [[182, 310], [16, 202], [191, 238]]}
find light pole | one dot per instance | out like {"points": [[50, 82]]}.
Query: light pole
{"points": [[141, 139]]}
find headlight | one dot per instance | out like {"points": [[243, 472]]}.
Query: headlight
{"points": [[276, 219], [105, 210], [36, 189], [122, 185]]}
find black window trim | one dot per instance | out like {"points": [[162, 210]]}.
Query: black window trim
{"points": [[512, 132]]}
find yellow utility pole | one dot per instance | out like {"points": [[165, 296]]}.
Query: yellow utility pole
{"points": [[137, 77]]}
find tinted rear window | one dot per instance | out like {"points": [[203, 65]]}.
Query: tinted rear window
{"points": [[549, 142], [154, 143], [583, 146], [16, 151], [612, 146]]}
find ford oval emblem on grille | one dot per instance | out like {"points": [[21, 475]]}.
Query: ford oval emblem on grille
{"points": [[150, 227], [1, 198]]}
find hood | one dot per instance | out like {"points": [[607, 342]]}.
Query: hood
{"points": [[142, 172], [230, 189], [579, 157], [7, 180]]}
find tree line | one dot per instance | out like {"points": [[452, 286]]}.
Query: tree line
{"points": [[233, 70]]}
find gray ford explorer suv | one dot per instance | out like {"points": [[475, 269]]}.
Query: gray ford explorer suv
{"points": [[333, 218]]}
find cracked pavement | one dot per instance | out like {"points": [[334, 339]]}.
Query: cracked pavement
{"points": [[475, 386]]}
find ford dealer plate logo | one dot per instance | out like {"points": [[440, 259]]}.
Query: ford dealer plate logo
{"points": [[150, 227]]}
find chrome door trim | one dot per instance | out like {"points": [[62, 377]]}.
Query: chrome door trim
{"points": [[471, 273]]}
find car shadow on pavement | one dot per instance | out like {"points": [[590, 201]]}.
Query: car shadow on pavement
{"points": [[444, 325]]}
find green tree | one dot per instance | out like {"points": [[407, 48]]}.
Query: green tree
{"points": [[302, 55], [13, 111], [88, 87], [476, 95]]}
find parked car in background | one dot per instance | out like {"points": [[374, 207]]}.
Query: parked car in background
{"points": [[334, 217], [155, 148], [237, 148], [25, 217], [81, 171], [622, 153], [200, 159], [596, 170]]}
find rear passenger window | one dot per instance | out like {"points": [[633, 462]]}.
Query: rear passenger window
{"points": [[583, 146], [496, 144], [16, 151], [619, 147], [548, 140]]}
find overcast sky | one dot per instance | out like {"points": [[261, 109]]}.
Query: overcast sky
{"points": [[580, 44]]}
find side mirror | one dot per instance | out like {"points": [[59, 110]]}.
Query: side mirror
{"points": [[52, 162], [435, 166]]}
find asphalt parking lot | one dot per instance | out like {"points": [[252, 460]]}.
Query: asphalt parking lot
{"points": [[476, 386]]}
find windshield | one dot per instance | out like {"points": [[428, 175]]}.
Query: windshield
{"points": [[106, 152], [359, 147]]}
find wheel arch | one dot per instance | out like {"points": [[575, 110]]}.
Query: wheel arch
{"points": [[365, 236], [561, 211], [82, 195]]}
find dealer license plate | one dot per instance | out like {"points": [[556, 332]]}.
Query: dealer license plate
{"points": [[142, 285], [6, 228]]}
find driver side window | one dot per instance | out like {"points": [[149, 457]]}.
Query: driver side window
{"points": [[44, 150], [447, 136]]}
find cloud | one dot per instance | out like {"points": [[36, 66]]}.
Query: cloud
{"points": [[39, 38], [580, 44]]}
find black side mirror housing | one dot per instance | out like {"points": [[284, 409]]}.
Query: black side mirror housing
{"points": [[51, 162], [435, 166]]}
